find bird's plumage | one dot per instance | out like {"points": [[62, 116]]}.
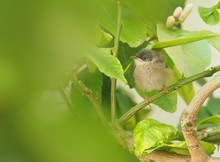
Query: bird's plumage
{"points": [[151, 71]]}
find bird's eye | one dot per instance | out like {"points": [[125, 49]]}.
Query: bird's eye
{"points": [[144, 57]]}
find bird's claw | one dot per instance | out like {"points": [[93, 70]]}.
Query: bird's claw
{"points": [[148, 101], [165, 89]]}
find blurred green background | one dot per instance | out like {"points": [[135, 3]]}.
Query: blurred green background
{"points": [[40, 41]]}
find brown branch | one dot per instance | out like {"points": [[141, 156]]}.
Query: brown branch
{"points": [[188, 122], [160, 156], [213, 159]]}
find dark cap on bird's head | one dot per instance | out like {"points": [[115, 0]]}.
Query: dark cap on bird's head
{"points": [[145, 55]]}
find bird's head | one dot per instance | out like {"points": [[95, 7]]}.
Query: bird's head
{"points": [[145, 57]]}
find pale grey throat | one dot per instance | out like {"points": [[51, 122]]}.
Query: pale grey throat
{"points": [[151, 72]]}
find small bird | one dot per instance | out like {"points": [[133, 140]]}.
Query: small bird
{"points": [[151, 71]]}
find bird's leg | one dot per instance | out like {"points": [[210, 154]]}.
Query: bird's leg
{"points": [[148, 101], [165, 89]]}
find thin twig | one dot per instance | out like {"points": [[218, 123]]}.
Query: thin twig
{"points": [[115, 53], [171, 88], [88, 93], [118, 32], [113, 99]]}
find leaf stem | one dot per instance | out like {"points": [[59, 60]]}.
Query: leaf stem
{"points": [[179, 84], [113, 99], [118, 32], [115, 53]]}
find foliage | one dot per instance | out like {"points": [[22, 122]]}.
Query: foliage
{"points": [[57, 66], [196, 55], [210, 15], [107, 64], [150, 135]]}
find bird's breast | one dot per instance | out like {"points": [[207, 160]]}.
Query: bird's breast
{"points": [[151, 76]]}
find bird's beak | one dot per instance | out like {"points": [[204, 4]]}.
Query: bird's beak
{"points": [[133, 57]]}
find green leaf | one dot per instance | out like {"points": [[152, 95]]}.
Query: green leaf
{"points": [[102, 38], [151, 133], [107, 64], [213, 105], [212, 108], [190, 58], [178, 147], [180, 37], [187, 92], [208, 147], [91, 66], [181, 148], [133, 29], [215, 119], [125, 102], [210, 15], [80, 102], [125, 52], [151, 11], [215, 42], [168, 102], [203, 113]]}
